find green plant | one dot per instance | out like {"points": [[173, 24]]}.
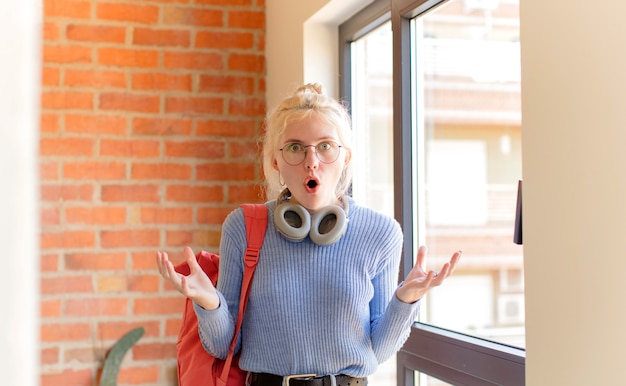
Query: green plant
{"points": [[116, 354]]}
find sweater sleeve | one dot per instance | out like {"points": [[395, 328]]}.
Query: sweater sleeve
{"points": [[216, 327], [391, 319]]}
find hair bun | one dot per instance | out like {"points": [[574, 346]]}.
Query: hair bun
{"points": [[311, 88]]}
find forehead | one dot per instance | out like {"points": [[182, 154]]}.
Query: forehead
{"points": [[309, 129]]}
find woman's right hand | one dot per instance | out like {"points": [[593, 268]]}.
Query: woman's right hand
{"points": [[197, 286]]}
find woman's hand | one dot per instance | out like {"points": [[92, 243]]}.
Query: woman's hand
{"points": [[197, 286], [418, 282]]}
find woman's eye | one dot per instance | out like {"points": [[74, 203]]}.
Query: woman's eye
{"points": [[324, 146], [294, 147]]}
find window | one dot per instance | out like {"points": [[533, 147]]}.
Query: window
{"points": [[436, 105]]}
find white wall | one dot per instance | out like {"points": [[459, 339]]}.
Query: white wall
{"points": [[574, 169], [20, 22]]}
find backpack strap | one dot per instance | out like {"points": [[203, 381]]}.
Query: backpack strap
{"points": [[256, 225]]}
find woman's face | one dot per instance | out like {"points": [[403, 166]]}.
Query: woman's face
{"points": [[312, 182]]}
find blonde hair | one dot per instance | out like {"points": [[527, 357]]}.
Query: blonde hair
{"points": [[309, 99]]}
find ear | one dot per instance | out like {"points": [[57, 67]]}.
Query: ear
{"points": [[347, 158], [275, 164]]}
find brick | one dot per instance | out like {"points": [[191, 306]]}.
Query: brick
{"points": [[145, 260], [143, 283], [123, 57], [226, 172], [246, 19], [194, 105], [247, 106], [67, 100], [172, 327], [129, 148], [195, 149], [66, 146], [161, 171], [225, 40], [161, 81], [66, 54], [246, 150], [50, 76], [130, 193], [50, 216], [86, 355], [212, 215], [94, 170], [190, 194], [60, 332], [247, 63], [95, 215], [245, 193], [193, 61], [130, 238], [67, 285], [96, 33], [154, 351], [240, 128], [49, 123], [112, 331], [161, 37], [227, 84], [50, 31], [143, 375], [111, 284], [48, 171], [146, 14], [94, 78], [95, 261], [226, 2], [67, 192], [86, 307], [50, 308], [193, 17], [159, 305], [95, 124], [67, 239], [49, 262], [160, 215], [49, 356], [67, 378], [179, 238], [130, 102], [161, 126], [77, 9]]}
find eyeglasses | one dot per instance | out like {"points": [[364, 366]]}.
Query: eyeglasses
{"points": [[294, 153]]}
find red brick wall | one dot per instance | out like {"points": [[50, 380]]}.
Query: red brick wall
{"points": [[151, 111]]}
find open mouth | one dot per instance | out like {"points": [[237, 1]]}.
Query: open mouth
{"points": [[311, 184]]}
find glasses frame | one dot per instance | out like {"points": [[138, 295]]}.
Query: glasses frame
{"points": [[304, 152]]}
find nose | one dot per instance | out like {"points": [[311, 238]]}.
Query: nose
{"points": [[310, 159]]}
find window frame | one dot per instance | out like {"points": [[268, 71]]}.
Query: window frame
{"points": [[428, 349]]}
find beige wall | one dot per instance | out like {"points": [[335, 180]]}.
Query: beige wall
{"points": [[573, 137], [574, 134]]}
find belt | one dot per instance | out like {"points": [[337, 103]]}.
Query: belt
{"points": [[264, 379]]}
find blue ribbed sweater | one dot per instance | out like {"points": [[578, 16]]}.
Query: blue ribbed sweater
{"points": [[313, 309]]}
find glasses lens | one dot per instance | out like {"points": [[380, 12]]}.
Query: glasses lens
{"points": [[294, 153], [327, 152]]}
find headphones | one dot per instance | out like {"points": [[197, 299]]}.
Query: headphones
{"points": [[324, 227]]}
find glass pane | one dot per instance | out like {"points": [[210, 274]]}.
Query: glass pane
{"points": [[468, 154], [422, 379], [372, 116]]}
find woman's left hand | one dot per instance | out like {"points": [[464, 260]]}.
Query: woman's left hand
{"points": [[418, 282]]}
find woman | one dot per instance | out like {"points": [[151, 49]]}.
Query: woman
{"points": [[325, 306]]}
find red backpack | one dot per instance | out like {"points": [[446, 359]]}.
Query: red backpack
{"points": [[196, 367]]}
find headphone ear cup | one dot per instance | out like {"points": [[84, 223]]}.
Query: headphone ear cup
{"points": [[328, 225], [292, 221]]}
